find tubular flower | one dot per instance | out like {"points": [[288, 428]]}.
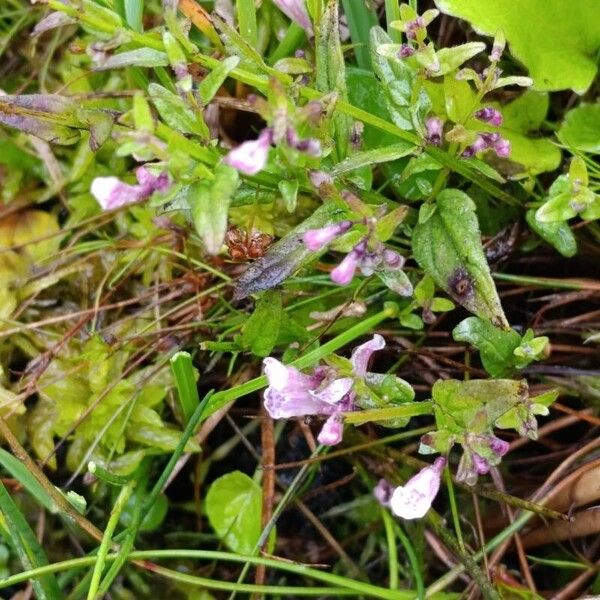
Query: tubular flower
{"points": [[251, 157], [489, 115], [485, 141], [315, 239], [294, 394], [435, 130], [414, 499], [111, 192]]}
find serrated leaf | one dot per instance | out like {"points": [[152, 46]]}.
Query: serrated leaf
{"points": [[210, 206], [396, 78], [288, 254], [233, 506], [448, 247], [557, 42], [261, 330]]}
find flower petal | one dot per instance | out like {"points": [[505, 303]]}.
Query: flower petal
{"points": [[413, 500], [250, 157], [362, 354], [111, 192], [283, 378], [296, 11], [332, 431], [335, 391], [344, 272]]}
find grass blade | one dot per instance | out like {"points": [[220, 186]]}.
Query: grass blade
{"points": [[27, 547], [183, 371], [246, 16], [360, 20]]}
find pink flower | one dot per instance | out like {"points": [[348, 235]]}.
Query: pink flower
{"points": [[502, 148], [488, 140], [111, 192], [293, 394], [481, 452], [413, 500], [296, 11], [332, 431], [489, 115], [315, 239], [362, 354], [344, 272], [435, 130], [319, 178], [251, 157], [405, 51]]}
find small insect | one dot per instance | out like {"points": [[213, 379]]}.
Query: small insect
{"points": [[243, 245]]}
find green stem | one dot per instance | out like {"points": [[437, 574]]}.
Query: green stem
{"points": [[409, 409], [341, 584], [388, 525], [115, 514]]}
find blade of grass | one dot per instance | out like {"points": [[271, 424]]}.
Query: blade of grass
{"points": [[246, 16], [183, 372], [19, 471], [294, 37], [342, 585], [132, 12], [113, 521], [392, 13], [28, 549], [360, 20]]}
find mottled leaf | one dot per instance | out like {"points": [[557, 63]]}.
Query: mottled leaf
{"points": [[288, 254], [448, 247]]}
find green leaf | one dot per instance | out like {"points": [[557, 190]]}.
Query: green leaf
{"points": [[233, 506], [453, 57], [289, 193], [261, 330], [360, 19], [210, 205], [175, 112], [557, 42], [49, 117], [20, 472], [185, 378], [214, 80], [140, 57], [375, 156], [331, 72], [160, 437], [153, 517], [246, 17], [521, 116], [27, 547], [132, 11], [496, 346], [581, 128], [397, 79], [448, 247], [556, 233]]}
